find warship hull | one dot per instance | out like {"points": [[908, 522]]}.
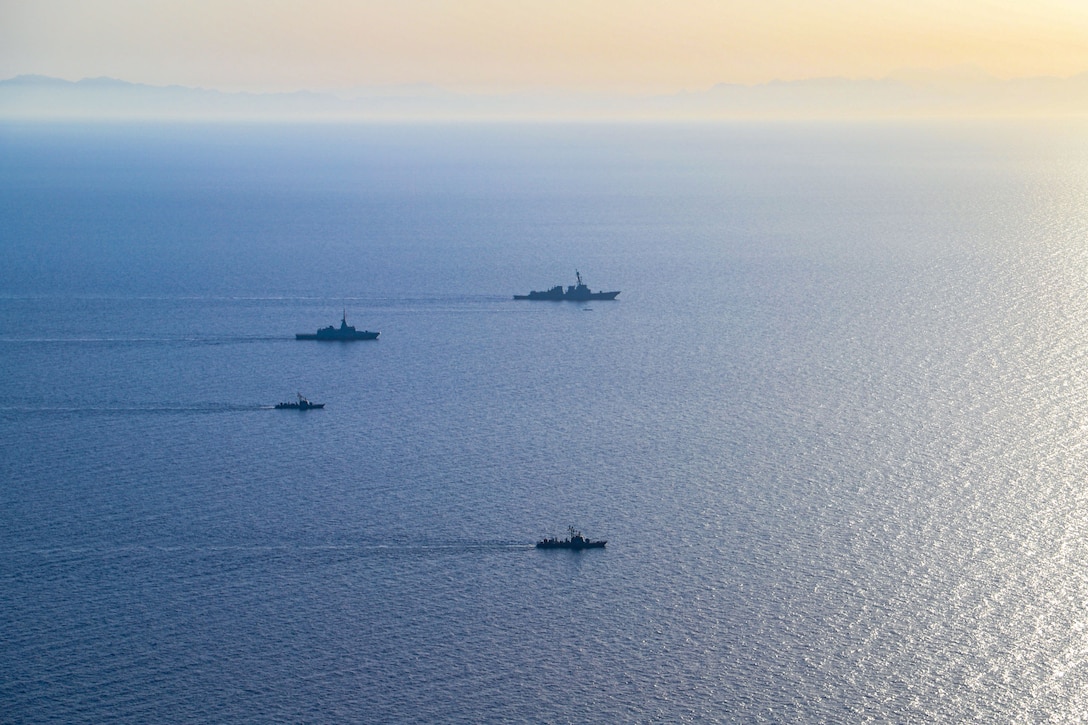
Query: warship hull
{"points": [[337, 336], [576, 545], [561, 296]]}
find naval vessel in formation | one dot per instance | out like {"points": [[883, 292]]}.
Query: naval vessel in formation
{"points": [[573, 293], [574, 540], [302, 404], [344, 333]]}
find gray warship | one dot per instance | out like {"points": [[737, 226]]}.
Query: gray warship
{"points": [[344, 333], [573, 293], [574, 540], [302, 404]]}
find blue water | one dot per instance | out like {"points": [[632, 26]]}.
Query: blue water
{"points": [[834, 428]]}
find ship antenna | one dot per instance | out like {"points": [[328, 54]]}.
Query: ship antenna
{"points": [[579, 276]]}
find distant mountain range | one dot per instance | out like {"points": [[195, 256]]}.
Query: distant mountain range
{"points": [[962, 93]]}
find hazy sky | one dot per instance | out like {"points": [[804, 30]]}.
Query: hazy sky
{"points": [[490, 45]]}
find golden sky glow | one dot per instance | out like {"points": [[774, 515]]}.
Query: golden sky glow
{"points": [[490, 45]]}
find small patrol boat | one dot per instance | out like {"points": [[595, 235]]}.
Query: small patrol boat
{"points": [[302, 404], [574, 540]]}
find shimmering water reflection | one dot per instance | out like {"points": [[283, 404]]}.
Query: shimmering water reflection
{"points": [[833, 429]]}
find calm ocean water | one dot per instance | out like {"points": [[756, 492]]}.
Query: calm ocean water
{"points": [[835, 428]]}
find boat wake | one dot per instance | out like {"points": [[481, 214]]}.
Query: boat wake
{"points": [[270, 549], [107, 410], [140, 341]]}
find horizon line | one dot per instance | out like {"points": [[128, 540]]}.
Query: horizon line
{"points": [[963, 73], [905, 94]]}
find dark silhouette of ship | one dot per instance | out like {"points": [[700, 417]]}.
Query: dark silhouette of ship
{"points": [[573, 293], [302, 404], [574, 540], [343, 333]]}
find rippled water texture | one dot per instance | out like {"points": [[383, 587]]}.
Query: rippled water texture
{"points": [[833, 428]]}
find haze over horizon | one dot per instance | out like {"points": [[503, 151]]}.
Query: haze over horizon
{"points": [[487, 47]]}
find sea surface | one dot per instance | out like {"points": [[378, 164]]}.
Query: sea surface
{"points": [[834, 428]]}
